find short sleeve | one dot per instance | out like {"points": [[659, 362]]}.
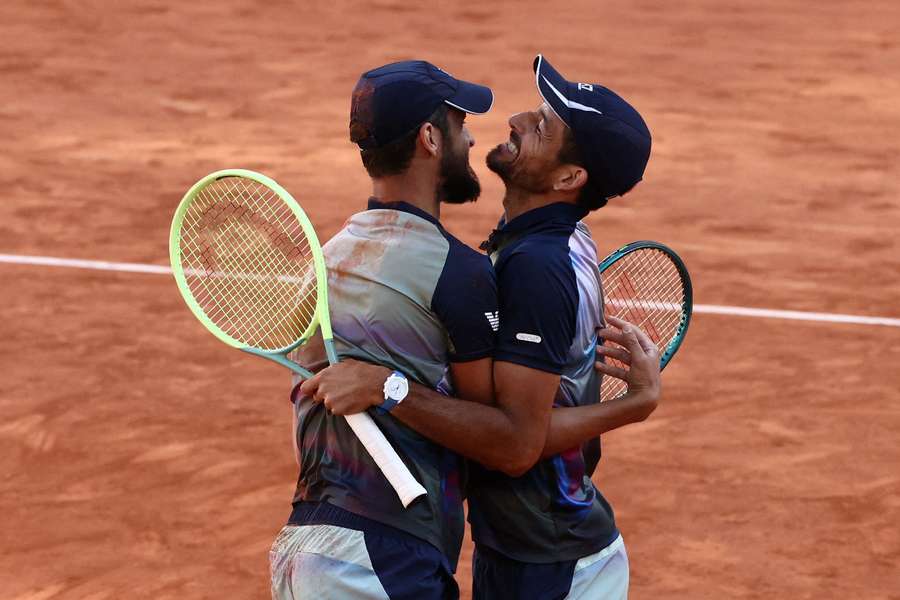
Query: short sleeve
{"points": [[465, 301], [538, 309]]}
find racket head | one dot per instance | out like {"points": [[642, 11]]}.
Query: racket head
{"points": [[248, 263], [647, 283]]}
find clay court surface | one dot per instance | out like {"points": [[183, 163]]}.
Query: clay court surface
{"points": [[141, 458]]}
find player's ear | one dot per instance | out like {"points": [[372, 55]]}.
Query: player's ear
{"points": [[430, 138], [570, 178]]}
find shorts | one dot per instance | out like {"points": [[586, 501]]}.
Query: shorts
{"points": [[599, 576], [332, 562]]}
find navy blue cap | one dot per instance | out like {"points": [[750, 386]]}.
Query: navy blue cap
{"points": [[611, 136], [393, 100]]}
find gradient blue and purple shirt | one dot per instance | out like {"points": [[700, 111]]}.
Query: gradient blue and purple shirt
{"points": [[551, 304], [405, 294]]}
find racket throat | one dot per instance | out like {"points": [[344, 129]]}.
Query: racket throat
{"points": [[281, 360]]}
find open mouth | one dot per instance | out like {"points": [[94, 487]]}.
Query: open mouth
{"points": [[512, 146]]}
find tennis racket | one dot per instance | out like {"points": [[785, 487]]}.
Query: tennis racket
{"points": [[249, 266], [647, 284]]}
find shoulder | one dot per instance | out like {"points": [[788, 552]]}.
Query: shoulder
{"points": [[466, 263], [535, 257]]}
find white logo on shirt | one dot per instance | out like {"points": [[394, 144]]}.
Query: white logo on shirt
{"points": [[494, 319], [529, 337]]}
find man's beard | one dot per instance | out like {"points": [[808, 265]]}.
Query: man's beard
{"points": [[459, 183], [498, 166]]}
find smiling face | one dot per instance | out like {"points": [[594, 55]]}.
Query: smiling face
{"points": [[529, 159]]}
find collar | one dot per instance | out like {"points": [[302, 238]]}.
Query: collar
{"points": [[376, 204], [533, 220]]}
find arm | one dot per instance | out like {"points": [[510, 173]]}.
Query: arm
{"points": [[474, 380], [537, 312], [523, 397], [519, 421], [297, 456], [573, 426]]}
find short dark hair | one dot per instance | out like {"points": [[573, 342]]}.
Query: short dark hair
{"points": [[589, 198], [393, 158]]}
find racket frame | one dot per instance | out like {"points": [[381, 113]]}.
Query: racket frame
{"points": [[688, 305], [320, 319], [385, 456]]}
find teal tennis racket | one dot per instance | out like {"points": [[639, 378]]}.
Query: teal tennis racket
{"points": [[249, 266], [647, 284]]}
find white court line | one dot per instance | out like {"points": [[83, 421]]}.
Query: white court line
{"points": [[99, 265], [736, 311], [797, 315]]}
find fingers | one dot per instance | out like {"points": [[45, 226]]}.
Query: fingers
{"points": [[647, 344], [617, 353], [315, 389], [624, 337], [608, 369], [631, 336], [310, 387]]}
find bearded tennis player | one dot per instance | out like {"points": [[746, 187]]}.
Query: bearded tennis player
{"points": [[406, 294]]}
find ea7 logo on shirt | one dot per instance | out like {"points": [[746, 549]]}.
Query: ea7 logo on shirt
{"points": [[494, 319]]}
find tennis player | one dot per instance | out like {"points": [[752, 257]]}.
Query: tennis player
{"points": [[542, 529], [349, 536]]}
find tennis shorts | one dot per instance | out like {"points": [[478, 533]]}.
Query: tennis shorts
{"points": [[371, 562], [600, 576]]}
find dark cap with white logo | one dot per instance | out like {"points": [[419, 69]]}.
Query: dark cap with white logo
{"points": [[611, 136], [393, 100]]}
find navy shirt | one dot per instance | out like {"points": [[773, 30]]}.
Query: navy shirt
{"points": [[551, 305]]}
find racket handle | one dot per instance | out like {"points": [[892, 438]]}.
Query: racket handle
{"points": [[386, 458]]}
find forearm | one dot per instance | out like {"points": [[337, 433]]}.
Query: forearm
{"points": [[477, 431], [572, 426], [507, 436]]}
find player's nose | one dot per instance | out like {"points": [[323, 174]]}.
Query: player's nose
{"points": [[517, 121]]}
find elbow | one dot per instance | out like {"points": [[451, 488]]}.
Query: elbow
{"points": [[516, 470], [521, 462]]}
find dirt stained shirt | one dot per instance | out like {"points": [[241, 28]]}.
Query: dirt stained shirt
{"points": [[403, 293]]}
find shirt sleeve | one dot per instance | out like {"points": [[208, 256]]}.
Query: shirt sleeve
{"points": [[538, 310], [465, 300]]}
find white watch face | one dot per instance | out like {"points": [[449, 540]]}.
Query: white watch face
{"points": [[396, 388]]}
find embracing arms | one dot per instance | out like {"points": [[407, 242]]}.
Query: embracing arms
{"points": [[481, 431], [513, 434], [573, 426]]}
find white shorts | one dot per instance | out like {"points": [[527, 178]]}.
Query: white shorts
{"points": [[603, 575]]}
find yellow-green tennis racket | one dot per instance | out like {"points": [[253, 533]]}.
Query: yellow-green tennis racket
{"points": [[249, 265]]}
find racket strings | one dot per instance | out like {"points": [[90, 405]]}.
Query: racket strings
{"points": [[264, 296], [245, 284], [248, 263], [222, 285], [644, 287]]}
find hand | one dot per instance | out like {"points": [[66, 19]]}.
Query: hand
{"points": [[347, 388], [636, 350]]}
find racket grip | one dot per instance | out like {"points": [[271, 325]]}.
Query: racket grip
{"points": [[386, 458]]}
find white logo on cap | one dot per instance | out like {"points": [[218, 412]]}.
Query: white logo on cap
{"points": [[586, 86], [567, 102]]}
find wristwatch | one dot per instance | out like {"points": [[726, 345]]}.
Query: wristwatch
{"points": [[395, 390]]}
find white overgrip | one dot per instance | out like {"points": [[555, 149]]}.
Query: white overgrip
{"points": [[387, 459]]}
